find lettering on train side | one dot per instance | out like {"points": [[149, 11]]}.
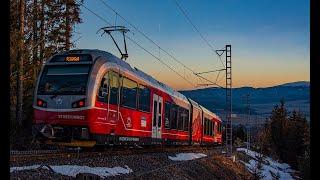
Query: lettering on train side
{"points": [[68, 116]]}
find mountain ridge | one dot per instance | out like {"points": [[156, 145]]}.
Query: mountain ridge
{"points": [[288, 84], [262, 100]]}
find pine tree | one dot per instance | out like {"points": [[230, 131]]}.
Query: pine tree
{"points": [[19, 107], [288, 136], [278, 123]]}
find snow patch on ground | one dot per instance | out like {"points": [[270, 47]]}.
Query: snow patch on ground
{"points": [[186, 156], [269, 167], [73, 170], [24, 168]]}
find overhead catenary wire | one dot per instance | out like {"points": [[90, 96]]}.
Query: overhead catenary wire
{"points": [[217, 76], [160, 61], [197, 30], [144, 35], [205, 40], [136, 43], [212, 83], [160, 48], [211, 71]]}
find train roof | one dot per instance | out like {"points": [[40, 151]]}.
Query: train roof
{"points": [[205, 110], [113, 59], [194, 103]]}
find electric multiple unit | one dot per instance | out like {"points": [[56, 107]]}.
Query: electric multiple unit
{"points": [[91, 97]]}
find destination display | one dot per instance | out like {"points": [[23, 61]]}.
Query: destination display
{"points": [[72, 58]]}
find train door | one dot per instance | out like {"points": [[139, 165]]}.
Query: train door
{"points": [[157, 116]]}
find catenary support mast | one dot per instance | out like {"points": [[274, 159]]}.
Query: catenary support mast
{"points": [[228, 101], [228, 88]]}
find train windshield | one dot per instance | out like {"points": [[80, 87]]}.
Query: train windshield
{"points": [[64, 80]]}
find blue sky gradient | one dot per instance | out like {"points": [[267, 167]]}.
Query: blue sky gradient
{"points": [[269, 38]]}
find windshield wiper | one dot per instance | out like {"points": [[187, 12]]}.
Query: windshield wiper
{"points": [[55, 94]]}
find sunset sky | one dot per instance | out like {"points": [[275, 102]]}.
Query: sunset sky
{"points": [[269, 38]]}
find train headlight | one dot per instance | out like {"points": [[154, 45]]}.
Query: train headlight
{"points": [[79, 103], [41, 103]]}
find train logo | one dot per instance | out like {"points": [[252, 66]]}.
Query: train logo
{"points": [[143, 121], [129, 123], [59, 101]]}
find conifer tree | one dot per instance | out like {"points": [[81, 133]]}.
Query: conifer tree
{"points": [[288, 136], [277, 127]]}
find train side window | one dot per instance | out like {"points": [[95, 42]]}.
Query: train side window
{"points": [[209, 127], [129, 93], [103, 89], [205, 126], [180, 119], [114, 87], [184, 117], [189, 119], [144, 98], [173, 116], [186, 120], [154, 124], [160, 115], [167, 108], [213, 127]]}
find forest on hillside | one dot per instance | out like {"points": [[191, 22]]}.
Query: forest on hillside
{"points": [[285, 136]]}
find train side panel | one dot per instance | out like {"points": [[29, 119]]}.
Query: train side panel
{"points": [[111, 78]]}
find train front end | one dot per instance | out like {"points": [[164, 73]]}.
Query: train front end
{"points": [[61, 112]]}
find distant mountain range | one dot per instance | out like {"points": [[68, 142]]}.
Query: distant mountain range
{"points": [[262, 100], [296, 84]]}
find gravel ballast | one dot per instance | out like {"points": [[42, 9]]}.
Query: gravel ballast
{"points": [[144, 166]]}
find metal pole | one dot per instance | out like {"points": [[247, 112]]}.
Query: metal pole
{"points": [[228, 101]]}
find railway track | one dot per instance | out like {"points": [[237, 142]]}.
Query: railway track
{"points": [[32, 152], [41, 155]]}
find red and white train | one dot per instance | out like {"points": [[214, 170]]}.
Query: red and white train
{"points": [[91, 97]]}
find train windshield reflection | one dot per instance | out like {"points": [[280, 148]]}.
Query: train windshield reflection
{"points": [[64, 80]]}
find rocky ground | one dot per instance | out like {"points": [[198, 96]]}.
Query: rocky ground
{"points": [[145, 166]]}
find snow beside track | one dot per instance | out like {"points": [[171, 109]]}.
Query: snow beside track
{"points": [[269, 167], [186, 156], [73, 170]]}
